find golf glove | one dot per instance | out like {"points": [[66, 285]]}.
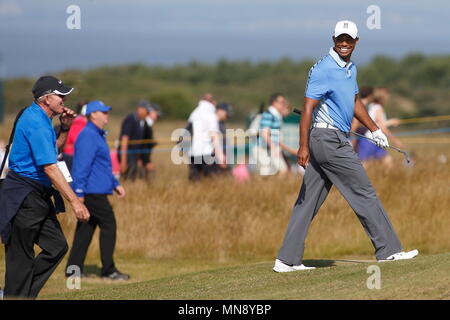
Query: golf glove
{"points": [[380, 138]]}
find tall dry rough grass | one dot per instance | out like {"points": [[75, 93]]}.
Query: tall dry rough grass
{"points": [[221, 219]]}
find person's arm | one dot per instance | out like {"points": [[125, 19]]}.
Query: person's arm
{"points": [[61, 141], [126, 131], [66, 119], [267, 131], [217, 143], [355, 124], [305, 123], [288, 149], [123, 153], [393, 122], [59, 182], [354, 127], [216, 139], [361, 114], [118, 188], [83, 157], [265, 134], [380, 120]]}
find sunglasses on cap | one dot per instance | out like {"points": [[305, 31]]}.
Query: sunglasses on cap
{"points": [[53, 93]]}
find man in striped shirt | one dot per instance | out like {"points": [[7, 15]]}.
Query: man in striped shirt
{"points": [[268, 153]]}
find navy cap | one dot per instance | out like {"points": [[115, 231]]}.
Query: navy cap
{"points": [[96, 105], [48, 84], [144, 104], [225, 106], [156, 108]]}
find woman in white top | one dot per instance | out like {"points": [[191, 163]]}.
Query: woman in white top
{"points": [[368, 150]]}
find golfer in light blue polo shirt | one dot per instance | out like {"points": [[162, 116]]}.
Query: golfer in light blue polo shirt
{"points": [[331, 101], [332, 81]]}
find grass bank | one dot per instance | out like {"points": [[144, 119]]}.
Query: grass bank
{"points": [[425, 277]]}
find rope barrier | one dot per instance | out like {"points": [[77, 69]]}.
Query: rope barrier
{"points": [[425, 119], [420, 132], [402, 121], [243, 140]]}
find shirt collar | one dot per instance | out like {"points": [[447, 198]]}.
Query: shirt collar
{"points": [[42, 112], [339, 60], [97, 129], [275, 112]]}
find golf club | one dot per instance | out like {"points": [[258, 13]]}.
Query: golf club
{"points": [[408, 159]]}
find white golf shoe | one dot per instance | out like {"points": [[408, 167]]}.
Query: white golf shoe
{"points": [[282, 267], [401, 256]]}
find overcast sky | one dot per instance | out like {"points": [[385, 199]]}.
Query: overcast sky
{"points": [[34, 37]]}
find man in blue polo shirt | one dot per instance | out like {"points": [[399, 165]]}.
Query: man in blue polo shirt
{"points": [[28, 215], [331, 101], [93, 181]]}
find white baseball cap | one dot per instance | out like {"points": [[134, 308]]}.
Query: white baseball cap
{"points": [[346, 27]]}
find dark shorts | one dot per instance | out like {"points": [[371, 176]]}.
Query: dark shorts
{"points": [[199, 168]]}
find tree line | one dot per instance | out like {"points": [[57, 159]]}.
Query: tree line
{"points": [[419, 84]]}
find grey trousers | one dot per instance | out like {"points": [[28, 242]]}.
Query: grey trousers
{"points": [[334, 162]]}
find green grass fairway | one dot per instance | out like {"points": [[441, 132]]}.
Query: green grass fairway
{"points": [[425, 277]]}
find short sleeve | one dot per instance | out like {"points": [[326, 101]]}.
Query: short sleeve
{"points": [[317, 85], [266, 120], [43, 146], [127, 127]]}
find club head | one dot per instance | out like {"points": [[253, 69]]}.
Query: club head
{"points": [[408, 159]]}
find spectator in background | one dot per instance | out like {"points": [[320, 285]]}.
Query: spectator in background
{"points": [[154, 112], [253, 127], [268, 153], [367, 150], [131, 151], [289, 158], [206, 148], [78, 124], [366, 96], [223, 112], [93, 181]]}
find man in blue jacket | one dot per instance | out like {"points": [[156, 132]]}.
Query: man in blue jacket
{"points": [[92, 182]]}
